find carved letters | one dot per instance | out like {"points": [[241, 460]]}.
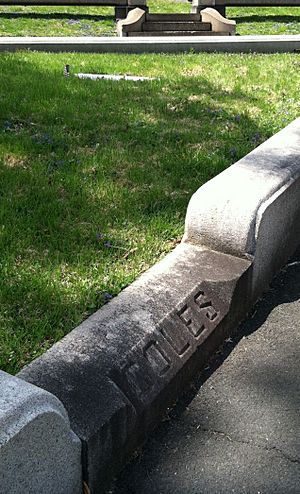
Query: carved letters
{"points": [[157, 359], [174, 338]]}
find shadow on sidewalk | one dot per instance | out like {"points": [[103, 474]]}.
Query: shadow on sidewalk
{"points": [[238, 434]]}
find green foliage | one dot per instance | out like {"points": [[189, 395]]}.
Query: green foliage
{"points": [[96, 176], [57, 21], [99, 21]]}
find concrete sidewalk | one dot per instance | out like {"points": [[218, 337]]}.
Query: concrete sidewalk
{"points": [[237, 429]]}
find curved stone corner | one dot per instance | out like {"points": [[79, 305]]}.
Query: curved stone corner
{"points": [[119, 371], [38, 451], [124, 366], [252, 209], [133, 22], [219, 24]]}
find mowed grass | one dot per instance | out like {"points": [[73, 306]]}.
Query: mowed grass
{"points": [[99, 21], [264, 20], [96, 176]]}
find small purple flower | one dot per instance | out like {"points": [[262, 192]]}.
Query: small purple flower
{"points": [[47, 139], [232, 152], [100, 236], [42, 139], [237, 118], [215, 112], [107, 244], [107, 296], [257, 137]]}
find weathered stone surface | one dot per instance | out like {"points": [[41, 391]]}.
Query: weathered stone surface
{"points": [[237, 430], [38, 451], [138, 23], [159, 44], [219, 24], [119, 370], [133, 22], [251, 210]]}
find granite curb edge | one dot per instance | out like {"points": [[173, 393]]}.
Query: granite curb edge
{"points": [[118, 372], [179, 44]]}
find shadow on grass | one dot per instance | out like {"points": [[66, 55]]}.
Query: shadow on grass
{"points": [[284, 19], [96, 178]]}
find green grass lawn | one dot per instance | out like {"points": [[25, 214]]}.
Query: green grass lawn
{"points": [[93, 21], [96, 176], [275, 20]]}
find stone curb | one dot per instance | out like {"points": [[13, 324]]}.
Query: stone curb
{"points": [[118, 371], [133, 22], [38, 451], [197, 44], [266, 229]]}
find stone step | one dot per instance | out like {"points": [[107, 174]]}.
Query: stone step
{"points": [[176, 33], [173, 17], [176, 26]]}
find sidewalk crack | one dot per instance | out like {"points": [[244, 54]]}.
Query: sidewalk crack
{"points": [[280, 452]]}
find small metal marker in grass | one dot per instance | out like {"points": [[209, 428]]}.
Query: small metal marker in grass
{"points": [[67, 70], [113, 77]]}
